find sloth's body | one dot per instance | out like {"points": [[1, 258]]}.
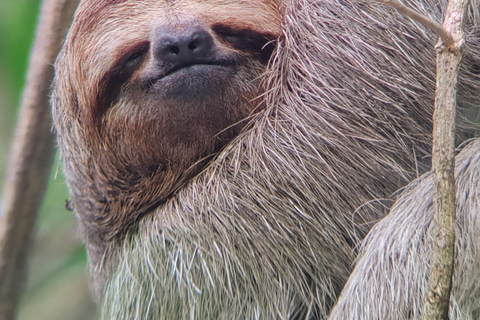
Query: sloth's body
{"points": [[214, 179]]}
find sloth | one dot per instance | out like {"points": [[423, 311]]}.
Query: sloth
{"points": [[225, 158]]}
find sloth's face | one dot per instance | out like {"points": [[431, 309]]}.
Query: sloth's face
{"points": [[166, 81]]}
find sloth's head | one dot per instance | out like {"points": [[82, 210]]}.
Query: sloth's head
{"points": [[146, 92], [162, 81]]}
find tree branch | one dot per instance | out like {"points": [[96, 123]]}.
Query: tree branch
{"points": [[31, 156], [450, 51], [449, 57]]}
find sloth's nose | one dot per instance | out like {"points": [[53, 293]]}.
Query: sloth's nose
{"points": [[179, 49]]}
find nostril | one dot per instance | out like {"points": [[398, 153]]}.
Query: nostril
{"points": [[174, 50], [193, 45]]}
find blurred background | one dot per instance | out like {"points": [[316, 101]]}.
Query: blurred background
{"points": [[58, 283]]}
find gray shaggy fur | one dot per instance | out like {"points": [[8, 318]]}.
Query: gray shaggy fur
{"points": [[268, 229], [389, 280]]}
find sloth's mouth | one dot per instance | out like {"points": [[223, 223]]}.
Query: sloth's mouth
{"points": [[193, 80], [199, 67], [197, 70]]}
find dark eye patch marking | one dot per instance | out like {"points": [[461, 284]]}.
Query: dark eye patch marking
{"points": [[117, 75], [258, 43]]}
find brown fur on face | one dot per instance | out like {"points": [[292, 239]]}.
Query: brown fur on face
{"points": [[132, 130]]}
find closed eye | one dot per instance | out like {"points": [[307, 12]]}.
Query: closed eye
{"points": [[135, 55], [232, 38]]}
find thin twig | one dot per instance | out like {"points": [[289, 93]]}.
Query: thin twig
{"points": [[439, 285], [422, 19]]}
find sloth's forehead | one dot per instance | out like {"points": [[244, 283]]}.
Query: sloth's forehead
{"points": [[107, 15]]}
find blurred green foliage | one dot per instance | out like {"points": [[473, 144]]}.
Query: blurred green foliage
{"points": [[17, 22], [58, 285]]}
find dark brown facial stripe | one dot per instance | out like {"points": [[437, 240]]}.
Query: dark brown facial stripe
{"points": [[261, 44], [117, 75]]}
